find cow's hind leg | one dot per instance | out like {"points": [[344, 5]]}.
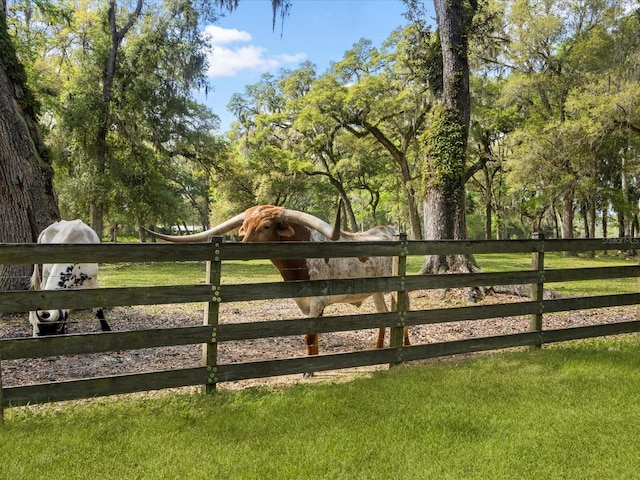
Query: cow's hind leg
{"points": [[311, 341], [103, 322], [380, 341], [381, 307], [407, 305]]}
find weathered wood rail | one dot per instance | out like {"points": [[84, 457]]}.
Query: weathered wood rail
{"points": [[213, 292]]}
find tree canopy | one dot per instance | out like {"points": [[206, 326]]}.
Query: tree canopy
{"points": [[507, 117]]}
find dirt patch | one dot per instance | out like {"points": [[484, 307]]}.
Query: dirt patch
{"points": [[21, 372]]}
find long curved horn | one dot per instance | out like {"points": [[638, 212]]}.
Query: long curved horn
{"points": [[221, 229], [332, 232]]}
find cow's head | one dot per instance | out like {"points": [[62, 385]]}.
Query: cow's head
{"points": [[54, 277], [265, 223], [49, 322]]}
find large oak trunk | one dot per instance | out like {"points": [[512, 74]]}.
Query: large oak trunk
{"points": [[27, 199], [445, 218], [446, 140]]}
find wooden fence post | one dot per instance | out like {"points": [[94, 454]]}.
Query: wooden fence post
{"points": [[398, 299], [1, 403], [637, 306], [211, 314], [537, 289]]}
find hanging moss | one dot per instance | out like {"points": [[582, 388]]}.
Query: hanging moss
{"points": [[444, 148], [16, 72]]}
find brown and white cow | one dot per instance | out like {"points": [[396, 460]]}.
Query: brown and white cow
{"points": [[268, 223], [60, 276]]}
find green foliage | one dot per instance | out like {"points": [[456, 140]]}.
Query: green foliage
{"points": [[352, 131], [562, 412], [555, 102], [568, 70], [158, 139], [16, 71], [475, 226]]}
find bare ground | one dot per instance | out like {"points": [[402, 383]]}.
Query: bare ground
{"points": [[21, 372]]}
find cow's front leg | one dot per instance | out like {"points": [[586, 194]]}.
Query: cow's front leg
{"points": [[311, 341], [103, 322]]}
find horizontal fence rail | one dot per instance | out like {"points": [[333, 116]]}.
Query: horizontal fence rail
{"points": [[214, 292]]}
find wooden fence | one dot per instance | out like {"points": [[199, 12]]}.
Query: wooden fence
{"points": [[213, 292]]}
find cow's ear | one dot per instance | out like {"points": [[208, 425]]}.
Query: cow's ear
{"points": [[285, 230]]}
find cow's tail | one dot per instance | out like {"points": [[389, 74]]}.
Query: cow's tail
{"points": [[35, 278]]}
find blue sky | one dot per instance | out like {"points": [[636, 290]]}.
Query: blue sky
{"points": [[320, 31]]}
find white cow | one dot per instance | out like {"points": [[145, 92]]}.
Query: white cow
{"points": [[59, 276]]}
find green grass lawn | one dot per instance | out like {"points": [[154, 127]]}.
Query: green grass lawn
{"points": [[257, 271], [564, 412], [555, 260], [184, 273]]}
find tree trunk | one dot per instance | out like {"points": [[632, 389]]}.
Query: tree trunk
{"points": [[446, 221], [102, 150], [567, 219], [348, 206], [589, 229], [446, 141], [567, 215], [591, 218], [591, 214], [414, 217], [621, 224], [585, 221], [488, 210], [487, 223], [28, 203]]}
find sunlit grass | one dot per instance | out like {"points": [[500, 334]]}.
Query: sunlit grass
{"points": [[555, 260], [184, 273], [259, 271], [563, 412], [498, 262]]}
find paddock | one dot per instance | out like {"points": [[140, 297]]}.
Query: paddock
{"points": [[73, 367], [251, 333]]}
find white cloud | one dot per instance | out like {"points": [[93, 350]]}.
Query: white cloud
{"points": [[223, 36], [228, 60]]}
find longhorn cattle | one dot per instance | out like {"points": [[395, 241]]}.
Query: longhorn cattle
{"points": [[268, 223], [60, 276]]}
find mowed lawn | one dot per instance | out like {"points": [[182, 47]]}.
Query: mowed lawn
{"points": [[257, 271], [564, 412]]}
